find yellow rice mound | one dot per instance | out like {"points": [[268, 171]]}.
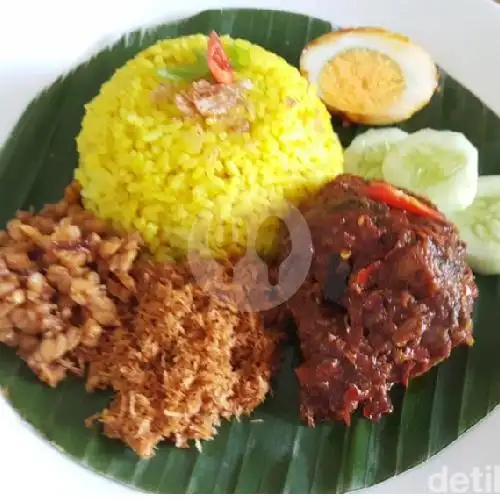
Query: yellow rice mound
{"points": [[146, 166]]}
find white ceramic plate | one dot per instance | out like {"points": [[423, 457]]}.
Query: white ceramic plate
{"points": [[39, 40]]}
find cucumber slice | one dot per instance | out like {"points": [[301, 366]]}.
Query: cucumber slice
{"points": [[367, 151], [479, 226], [438, 164]]}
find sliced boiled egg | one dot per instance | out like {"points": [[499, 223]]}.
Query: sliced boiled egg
{"points": [[370, 75]]}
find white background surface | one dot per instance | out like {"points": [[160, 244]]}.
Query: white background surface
{"points": [[39, 40]]}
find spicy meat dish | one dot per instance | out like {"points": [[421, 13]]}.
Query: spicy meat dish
{"points": [[388, 296]]}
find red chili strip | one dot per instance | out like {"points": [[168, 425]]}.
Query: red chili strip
{"points": [[362, 277], [385, 193], [218, 61]]}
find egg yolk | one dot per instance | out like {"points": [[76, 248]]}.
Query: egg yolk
{"points": [[361, 81]]}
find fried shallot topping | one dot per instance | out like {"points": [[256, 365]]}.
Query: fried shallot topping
{"points": [[211, 99]]}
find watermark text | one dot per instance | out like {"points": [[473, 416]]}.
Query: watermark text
{"points": [[477, 480]]}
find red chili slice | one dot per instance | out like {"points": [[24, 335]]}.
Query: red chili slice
{"points": [[218, 61], [362, 277], [385, 193]]}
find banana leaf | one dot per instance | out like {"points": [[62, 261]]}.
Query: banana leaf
{"points": [[273, 451]]}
